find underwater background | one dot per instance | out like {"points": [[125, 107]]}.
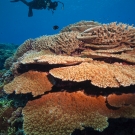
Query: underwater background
{"points": [[16, 26]]}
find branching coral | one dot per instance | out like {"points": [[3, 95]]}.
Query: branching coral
{"points": [[111, 34], [65, 42]]}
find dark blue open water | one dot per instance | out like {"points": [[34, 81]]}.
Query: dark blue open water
{"points": [[16, 26]]}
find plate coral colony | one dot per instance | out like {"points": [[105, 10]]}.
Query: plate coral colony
{"points": [[78, 78]]}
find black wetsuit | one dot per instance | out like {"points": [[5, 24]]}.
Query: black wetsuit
{"points": [[35, 4], [39, 4]]}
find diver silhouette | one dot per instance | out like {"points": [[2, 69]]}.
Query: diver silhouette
{"points": [[40, 4]]}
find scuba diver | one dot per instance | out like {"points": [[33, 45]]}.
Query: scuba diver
{"points": [[40, 4]]}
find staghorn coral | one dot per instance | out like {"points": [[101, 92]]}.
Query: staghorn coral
{"points": [[101, 74], [80, 26], [62, 112], [32, 81]]}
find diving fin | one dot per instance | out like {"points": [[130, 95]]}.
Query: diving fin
{"points": [[14, 0], [30, 13]]}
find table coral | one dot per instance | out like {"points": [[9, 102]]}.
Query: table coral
{"points": [[52, 59], [100, 74], [121, 100], [35, 82], [97, 58], [62, 112], [80, 26]]}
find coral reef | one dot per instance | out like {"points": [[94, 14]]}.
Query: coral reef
{"points": [[16, 116], [82, 77], [101, 74], [6, 50], [6, 110], [80, 26], [68, 111], [35, 82]]}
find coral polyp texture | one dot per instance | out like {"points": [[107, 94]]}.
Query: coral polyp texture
{"points": [[65, 42], [98, 59], [100, 74], [62, 112], [53, 59], [30, 82], [111, 34], [80, 26]]}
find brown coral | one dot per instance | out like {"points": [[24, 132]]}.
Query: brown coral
{"points": [[121, 100], [109, 41], [109, 34], [15, 116], [101, 74], [65, 42], [127, 57], [30, 55], [62, 112], [32, 81], [80, 26], [5, 114], [26, 46], [41, 58]]}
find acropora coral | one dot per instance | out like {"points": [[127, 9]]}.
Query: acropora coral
{"points": [[80, 77]]}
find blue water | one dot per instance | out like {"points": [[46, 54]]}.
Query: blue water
{"points": [[16, 26]]}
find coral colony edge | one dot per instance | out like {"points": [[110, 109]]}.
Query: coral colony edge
{"points": [[81, 77]]}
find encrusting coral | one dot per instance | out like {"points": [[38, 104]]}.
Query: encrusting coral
{"points": [[99, 55]]}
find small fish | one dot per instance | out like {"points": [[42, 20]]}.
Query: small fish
{"points": [[55, 27]]}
